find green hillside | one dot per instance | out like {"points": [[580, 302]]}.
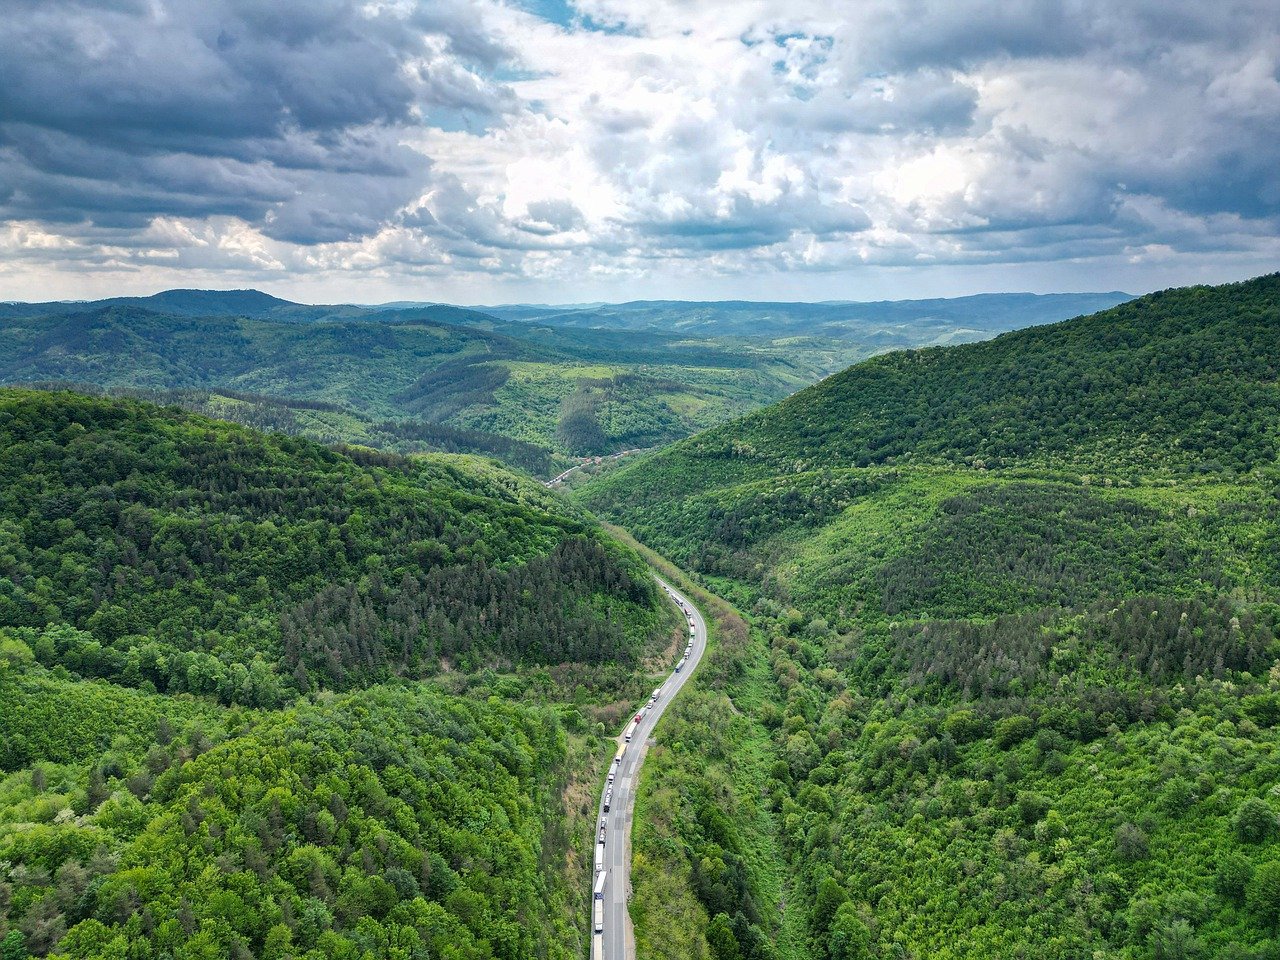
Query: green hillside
{"points": [[1016, 604], [461, 380], [183, 600], [333, 423], [394, 822], [202, 556], [1183, 378], [441, 368]]}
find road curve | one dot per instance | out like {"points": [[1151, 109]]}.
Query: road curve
{"points": [[616, 942]]}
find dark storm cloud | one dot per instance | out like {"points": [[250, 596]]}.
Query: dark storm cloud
{"points": [[287, 115], [924, 101], [745, 224], [941, 34]]}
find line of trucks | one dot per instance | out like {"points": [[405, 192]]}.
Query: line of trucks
{"points": [[597, 900]]}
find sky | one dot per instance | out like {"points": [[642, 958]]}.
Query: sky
{"points": [[481, 151]]}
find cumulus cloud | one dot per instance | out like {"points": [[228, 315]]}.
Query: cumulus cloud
{"points": [[482, 146]]}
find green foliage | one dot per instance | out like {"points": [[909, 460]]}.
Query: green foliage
{"points": [[850, 939], [1181, 377], [1263, 892], [179, 597], [13, 946], [433, 378], [396, 821], [1232, 876], [706, 869], [1010, 731], [1255, 821], [1021, 609], [192, 556]]}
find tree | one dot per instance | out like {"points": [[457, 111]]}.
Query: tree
{"points": [[1131, 842], [1011, 731], [721, 939], [1175, 941], [1255, 821], [849, 938], [1262, 892], [13, 947], [964, 726], [1232, 877], [825, 905]]}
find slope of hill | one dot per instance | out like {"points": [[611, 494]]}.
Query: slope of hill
{"points": [[1016, 609], [181, 600], [564, 383], [333, 423], [1178, 378], [223, 557], [566, 392]]}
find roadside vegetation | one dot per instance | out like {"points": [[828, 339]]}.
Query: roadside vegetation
{"points": [[1020, 607], [261, 697]]}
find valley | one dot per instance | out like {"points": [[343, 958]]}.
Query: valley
{"points": [[989, 668], [599, 480], [535, 393]]}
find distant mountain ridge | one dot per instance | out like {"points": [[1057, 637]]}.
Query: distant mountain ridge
{"points": [[250, 304], [586, 380], [987, 313], [566, 391]]}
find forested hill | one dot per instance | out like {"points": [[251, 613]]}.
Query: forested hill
{"points": [[422, 371], [432, 376], [1017, 611], [265, 698], [153, 546], [1184, 377], [241, 304]]}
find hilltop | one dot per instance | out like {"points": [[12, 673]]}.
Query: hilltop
{"points": [[259, 562], [1181, 377], [420, 372]]}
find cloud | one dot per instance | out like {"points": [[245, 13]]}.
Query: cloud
{"points": [[289, 116], [481, 142]]}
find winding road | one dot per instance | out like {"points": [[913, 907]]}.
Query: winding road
{"points": [[594, 461], [615, 941]]}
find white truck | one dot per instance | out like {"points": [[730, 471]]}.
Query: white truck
{"points": [[597, 903]]}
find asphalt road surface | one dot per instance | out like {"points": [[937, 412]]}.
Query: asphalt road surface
{"points": [[617, 939]]}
